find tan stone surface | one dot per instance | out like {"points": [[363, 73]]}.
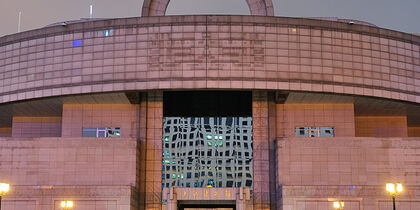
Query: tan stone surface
{"points": [[6, 132], [30, 126], [84, 197], [339, 116], [359, 197], [79, 116], [214, 52], [68, 161], [381, 126], [312, 172], [413, 131], [261, 173], [348, 161], [153, 159]]}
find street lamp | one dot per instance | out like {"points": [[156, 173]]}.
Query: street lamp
{"points": [[67, 204], [4, 188], [394, 189], [338, 205]]}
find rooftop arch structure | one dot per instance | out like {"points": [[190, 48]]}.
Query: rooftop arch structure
{"points": [[158, 7]]}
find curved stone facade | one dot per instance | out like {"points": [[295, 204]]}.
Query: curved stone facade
{"points": [[217, 52], [334, 108]]}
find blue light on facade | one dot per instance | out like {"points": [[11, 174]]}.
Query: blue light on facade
{"points": [[109, 32], [77, 43]]}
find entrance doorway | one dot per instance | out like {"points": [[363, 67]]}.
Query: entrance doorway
{"points": [[206, 198], [206, 205]]}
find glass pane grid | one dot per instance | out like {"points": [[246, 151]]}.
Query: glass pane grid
{"points": [[207, 152]]}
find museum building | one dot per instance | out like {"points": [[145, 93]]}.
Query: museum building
{"points": [[209, 112]]}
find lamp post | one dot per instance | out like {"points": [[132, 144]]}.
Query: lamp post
{"points": [[4, 188], [394, 189], [338, 205], [67, 205]]}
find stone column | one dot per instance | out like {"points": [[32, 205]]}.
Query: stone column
{"points": [[141, 156], [272, 128], [242, 198], [171, 199], [261, 195], [153, 149]]}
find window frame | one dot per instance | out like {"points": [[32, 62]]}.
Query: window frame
{"points": [[314, 132], [102, 132]]}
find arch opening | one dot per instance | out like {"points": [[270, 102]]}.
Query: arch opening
{"points": [[159, 7], [195, 7]]}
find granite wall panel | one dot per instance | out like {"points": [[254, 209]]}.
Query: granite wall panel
{"points": [[339, 116], [381, 126], [260, 110], [153, 162], [347, 161], [49, 197], [68, 161], [413, 131], [216, 52], [79, 116], [347, 168], [34, 126], [6, 132]]}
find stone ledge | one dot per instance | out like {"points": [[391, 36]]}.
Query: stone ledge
{"points": [[207, 20], [76, 191]]}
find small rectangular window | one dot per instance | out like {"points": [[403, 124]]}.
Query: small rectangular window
{"points": [[101, 132], [301, 132], [326, 132], [314, 132], [89, 132], [106, 33]]}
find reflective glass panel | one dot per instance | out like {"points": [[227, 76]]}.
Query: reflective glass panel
{"points": [[314, 132], [101, 132], [326, 132], [207, 152], [89, 132]]}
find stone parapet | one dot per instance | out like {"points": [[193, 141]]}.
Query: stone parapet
{"points": [[68, 161], [210, 52]]}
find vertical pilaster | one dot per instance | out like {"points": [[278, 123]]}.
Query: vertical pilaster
{"points": [[171, 199], [242, 199], [153, 159], [141, 156], [261, 150], [272, 134]]}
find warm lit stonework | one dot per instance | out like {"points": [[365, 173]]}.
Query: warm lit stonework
{"points": [[192, 112]]}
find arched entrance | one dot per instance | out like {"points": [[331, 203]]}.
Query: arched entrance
{"points": [[158, 7]]}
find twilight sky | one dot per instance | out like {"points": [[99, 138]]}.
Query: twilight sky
{"points": [[402, 15]]}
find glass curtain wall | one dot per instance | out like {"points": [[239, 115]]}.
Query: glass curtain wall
{"points": [[207, 152]]}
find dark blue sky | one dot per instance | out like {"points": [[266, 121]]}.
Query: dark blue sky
{"points": [[402, 15]]}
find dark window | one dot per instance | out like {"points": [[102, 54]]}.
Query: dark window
{"points": [[229, 184], [101, 132]]}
